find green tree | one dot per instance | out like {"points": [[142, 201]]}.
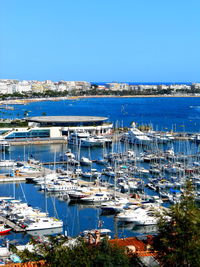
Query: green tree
{"points": [[178, 240], [57, 252]]}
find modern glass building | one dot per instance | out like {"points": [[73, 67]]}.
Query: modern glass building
{"points": [[58, 127]]}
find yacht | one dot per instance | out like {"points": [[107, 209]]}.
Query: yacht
{"points": [[93, 173], [135, 136], [114, 206], [43, 223], [97, 197], [90, 142], [101, 161], [143, 215], [27, 169], [79, 193], [76, 138], [85, 161], [7, 163], [63, 186]]}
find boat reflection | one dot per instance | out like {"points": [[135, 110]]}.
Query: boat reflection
{"points": [[139, 229], [46, 232]]}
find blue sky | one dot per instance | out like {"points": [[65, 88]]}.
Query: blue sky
{"points": [[100, 40]]}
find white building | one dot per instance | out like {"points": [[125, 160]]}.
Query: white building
{"points": [[23, 86], [56, 127], [118, 86]]}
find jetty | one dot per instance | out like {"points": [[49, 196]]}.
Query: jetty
{"points": [[4, 178], [16, 228]]}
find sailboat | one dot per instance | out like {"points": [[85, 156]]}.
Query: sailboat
{"points": [[43, 222], [7, 162]]}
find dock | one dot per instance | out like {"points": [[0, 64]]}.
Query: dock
{"points": [[7, 179], [54, 162], [37, 141], [16, 228]]}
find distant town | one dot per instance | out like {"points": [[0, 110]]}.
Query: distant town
{"points": [[15, 88]]}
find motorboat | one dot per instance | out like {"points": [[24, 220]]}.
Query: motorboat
{"points": [[96, 197], [135, 136], [7, 163], [79, 193], [75, 138], [90, 142], [114, 206], [4, 230], [63, 186], [28, 169], [93, 173], [85, 161], [43, 223], [101, 161], [143, 215]]}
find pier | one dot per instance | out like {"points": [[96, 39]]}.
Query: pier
{"points": [[182, 136], [5, 179], [37, 141], [16, 228]]}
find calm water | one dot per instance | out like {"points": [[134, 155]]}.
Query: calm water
{"points": [[178, 113], [181, 114]]}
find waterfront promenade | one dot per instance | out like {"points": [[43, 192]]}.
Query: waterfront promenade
{"points": [[29, 100]]}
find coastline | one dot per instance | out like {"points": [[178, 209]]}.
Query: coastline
{"points": [[29, 100]]}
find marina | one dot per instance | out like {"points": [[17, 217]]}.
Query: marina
{"points": [[100, 134], [89, 187]]}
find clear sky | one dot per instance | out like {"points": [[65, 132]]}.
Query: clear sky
{"points": [[100, 40]]}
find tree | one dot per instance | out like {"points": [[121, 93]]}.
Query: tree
{"points": [[178, 240], [57, 251]]}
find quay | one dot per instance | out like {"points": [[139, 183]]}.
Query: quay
{"points": [[37, 141], [7, 179], [22, 177], [178, 136], [16, 228], [59, 162]]}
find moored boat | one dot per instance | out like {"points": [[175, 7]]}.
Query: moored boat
{"points": [[4, 230]]}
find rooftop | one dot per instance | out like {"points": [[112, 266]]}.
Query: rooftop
{"points": [[62, 119]]}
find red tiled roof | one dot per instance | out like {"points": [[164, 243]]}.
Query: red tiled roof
{"points": [[129, 241], [139, 245]]}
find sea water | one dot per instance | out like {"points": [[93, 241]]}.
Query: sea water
{"points": [[164, 113]]}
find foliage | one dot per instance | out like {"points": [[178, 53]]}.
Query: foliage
{"points": [[145, 127], [178, 241], [13, 124], [56, 252], [95, 91]]}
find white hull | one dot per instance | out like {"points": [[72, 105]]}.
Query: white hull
{"points": [[42, 225]]}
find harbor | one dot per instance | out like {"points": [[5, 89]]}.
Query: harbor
{"points": [[91, 183], [134, 170], [100, 134]]}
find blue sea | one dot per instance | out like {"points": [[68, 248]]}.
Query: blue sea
{"points": [[164, 113]]}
